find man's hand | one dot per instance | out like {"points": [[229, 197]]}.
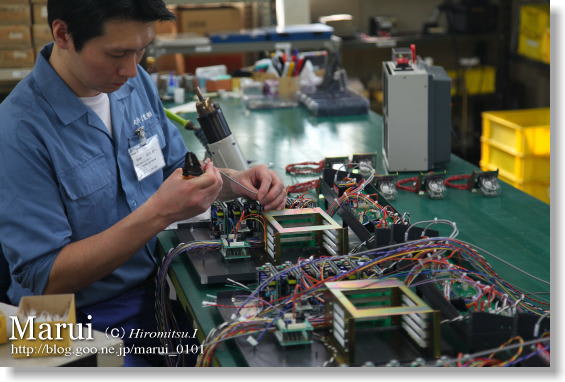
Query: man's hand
{"points": [[269, 188], [179, 198]]}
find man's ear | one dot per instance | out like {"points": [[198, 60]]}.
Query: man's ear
{"points": [[61, 34]]}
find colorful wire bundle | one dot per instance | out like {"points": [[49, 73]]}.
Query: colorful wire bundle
{"points": [[225, 332], [479, 360], [163, 312], [300, 202], [416, 251], [430, 256], [253, 217], [445, 261], [364, 206]]}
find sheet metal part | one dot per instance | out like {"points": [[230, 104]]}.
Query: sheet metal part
{"points": [[386, 305], [311, 227]]}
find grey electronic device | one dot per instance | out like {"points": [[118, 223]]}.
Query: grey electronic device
{"points": [[226, 154], [222, 145], [416, 112]]}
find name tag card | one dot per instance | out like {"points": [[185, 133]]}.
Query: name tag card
{"points": [[147, 158]]}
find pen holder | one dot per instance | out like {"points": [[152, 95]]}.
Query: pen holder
{"points": [[288, 86]]}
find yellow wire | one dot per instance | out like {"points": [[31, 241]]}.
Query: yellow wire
{"points": [[501, 347]]}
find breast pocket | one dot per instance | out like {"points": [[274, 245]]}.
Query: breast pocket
{"points": [[86, 178], [89, 196]]}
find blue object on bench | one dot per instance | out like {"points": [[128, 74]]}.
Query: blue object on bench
{"points": [[300, 32]]}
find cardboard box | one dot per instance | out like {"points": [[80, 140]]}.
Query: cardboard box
{"points": [[55, 304], [12, 14], [41, 35], [3, 328], [215, 85], [233, 61], [205, 20], [39, 13], [16, 58], [15, 36]]}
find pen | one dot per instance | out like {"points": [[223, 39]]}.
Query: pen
{"points": [[299, 66], [290, 71]]}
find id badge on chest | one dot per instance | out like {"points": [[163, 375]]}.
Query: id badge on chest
{"points": [[147, 157]]}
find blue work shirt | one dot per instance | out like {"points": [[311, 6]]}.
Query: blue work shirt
{"points": [[63, 178]]}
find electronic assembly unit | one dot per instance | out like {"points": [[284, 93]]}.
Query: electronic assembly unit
{"points": [[342, 278]]}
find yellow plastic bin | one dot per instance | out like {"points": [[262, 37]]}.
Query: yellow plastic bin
{"points": [[480, 80], [514, 166], [523, 132], [534, 32], [518, 143]]}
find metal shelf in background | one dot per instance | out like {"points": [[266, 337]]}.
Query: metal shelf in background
{"points": [[202, 45], [524, 59], [392, 42], [10, 77], [13, 75]]}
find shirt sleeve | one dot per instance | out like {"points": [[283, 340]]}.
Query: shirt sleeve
{"points": [[33, 223], [175, 149]]}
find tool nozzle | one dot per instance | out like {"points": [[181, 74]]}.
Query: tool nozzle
{"points": [[199, 94]]}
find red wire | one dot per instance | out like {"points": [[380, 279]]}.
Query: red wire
{"points": [[303, 168], [461, 186], [400, 184]]}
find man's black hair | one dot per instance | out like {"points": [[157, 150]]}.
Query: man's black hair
{"points": [[85, 18]]}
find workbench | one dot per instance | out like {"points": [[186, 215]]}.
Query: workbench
{"points": [[514, 226]]}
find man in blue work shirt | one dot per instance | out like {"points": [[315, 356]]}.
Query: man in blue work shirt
{"points": [[90, 166]]}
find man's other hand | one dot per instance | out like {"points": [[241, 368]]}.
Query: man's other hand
{"points": [[269, 188]]}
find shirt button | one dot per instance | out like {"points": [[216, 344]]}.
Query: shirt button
{"points": [[134, 203]]}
